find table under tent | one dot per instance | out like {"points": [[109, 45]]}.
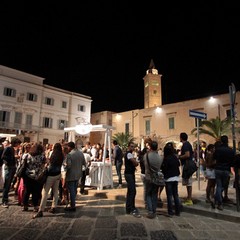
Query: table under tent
{"points": [[100, 174]]}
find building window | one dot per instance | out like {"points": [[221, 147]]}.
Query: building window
{"points": [[64, 104], [32, 97], [18, 119], [4, 118], [9, 92], [228, 113], [154, 92], [45, 141], [147, 127], [155, 83], [126, 128], [171, 123], [47, 122], [29, 120], [81, 108], [62, 124], [49, 101]]}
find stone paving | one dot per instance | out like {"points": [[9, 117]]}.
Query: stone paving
{"points": [[101, 215]]}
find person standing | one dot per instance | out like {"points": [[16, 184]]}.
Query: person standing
{"points": [[224, 157], [118, 161], [152, 160], [35, 160], [129, 173], [186, 155], [75, 161], [170, 168], [54, 175], [9, 159], [146, 148], [85, 170]]}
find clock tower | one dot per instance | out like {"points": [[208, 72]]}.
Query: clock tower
{"points": [[152, 87]]}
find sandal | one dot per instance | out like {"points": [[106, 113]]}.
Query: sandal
{"points": [[39, 214], [52, 210], [35, 209]]}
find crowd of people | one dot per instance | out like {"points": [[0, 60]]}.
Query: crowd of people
{"points": [[68, 167], [218, 163]]}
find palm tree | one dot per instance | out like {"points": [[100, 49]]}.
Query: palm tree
{"points": [[123, 139], [215, 127]]}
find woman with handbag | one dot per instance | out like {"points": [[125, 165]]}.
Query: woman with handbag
{"points": [[35, 160], [152, 160], [53, 179], [21, 172]]}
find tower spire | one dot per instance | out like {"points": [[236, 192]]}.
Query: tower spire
{"points": [[151, 65]]}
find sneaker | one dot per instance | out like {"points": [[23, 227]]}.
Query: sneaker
{"points": [[136, 214], [70, 209], [187, 203], [5, 205], [151, 215]]}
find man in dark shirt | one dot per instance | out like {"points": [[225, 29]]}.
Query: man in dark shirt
{"points": [[118, 161], [186, 155], [129, 173], [9, 160], [224, 157]]}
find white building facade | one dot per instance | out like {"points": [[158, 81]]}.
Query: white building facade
{"points": [[36, 112]]}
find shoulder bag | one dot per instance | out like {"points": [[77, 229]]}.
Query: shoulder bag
{"points": [[22, 168], [157, 177]]}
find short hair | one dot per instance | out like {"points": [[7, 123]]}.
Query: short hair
{"points": [[154, 145], [15, 142], [115, 142], [71, 145], [183, 136], [224, 139]]}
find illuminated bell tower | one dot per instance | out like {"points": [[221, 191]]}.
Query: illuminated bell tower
{"points": [[152, 87]]}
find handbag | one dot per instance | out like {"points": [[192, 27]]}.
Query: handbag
{"points": [[22, 168], [189, 168], [42, 175], [157, 177], [210, 173]]}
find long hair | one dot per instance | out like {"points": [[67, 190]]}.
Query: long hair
{"points": [[57, 153]]}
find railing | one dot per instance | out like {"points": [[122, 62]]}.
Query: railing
{"points": [[18, 126]]}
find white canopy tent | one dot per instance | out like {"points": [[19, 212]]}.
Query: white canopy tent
{"points": [[103, 178]]}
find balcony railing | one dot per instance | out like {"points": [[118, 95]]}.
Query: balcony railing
{"points": [[17, 126]]}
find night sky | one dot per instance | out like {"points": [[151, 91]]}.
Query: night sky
{"points": [[103, 49]]}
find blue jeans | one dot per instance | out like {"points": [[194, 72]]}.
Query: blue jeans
{"points": [[8, 178], [118, 170], [172, 193], [221, 183], [72, 188], [151, 196], [131, 192]]}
